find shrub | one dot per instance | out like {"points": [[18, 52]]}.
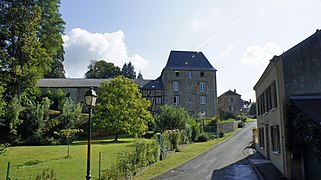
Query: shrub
{"points": [[214, 121], [221, 134], [203, 137], [128, 162], [195, 128], [241, 118], [174, 137], [241, 124], [46, 174]]}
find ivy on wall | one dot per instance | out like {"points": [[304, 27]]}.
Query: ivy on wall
{"points": [[302, 131]]}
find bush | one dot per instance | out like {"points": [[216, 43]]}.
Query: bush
{"points": [[241, 118], [174, 137], [214, 121], [127, 163], [241, 124], [221, 134], [203, 137], [46, 174], [195, 128]]}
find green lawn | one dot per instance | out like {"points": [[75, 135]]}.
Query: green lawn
{"points": [[27, 161]]}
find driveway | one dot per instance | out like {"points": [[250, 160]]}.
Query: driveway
{"points": [[224, 161]]}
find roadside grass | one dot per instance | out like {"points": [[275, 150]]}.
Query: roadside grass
{"points": [[28, 161], [178, 158], [250, 120]]}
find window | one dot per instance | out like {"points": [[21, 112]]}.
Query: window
{"points": [[175, 86], [176, 99], [261, 137], [275, 100], [201, 74], [275, 138], [158, 100], [232, 99], [189, 74], [232, 108], [202, 99], [176, 73], [202, 87]]}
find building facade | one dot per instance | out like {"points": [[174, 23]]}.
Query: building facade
{"points": [[188, 80], [230, 103], [288, 96]]}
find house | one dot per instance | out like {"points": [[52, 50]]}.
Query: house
{"points": [[288, 96], [188, 80], [230, 103]]}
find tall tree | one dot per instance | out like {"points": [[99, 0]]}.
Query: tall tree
{"points": [[170, 118], [102, 70], [128, 71], [121, 108], [23, 60], [139, 76], [50, 34]]}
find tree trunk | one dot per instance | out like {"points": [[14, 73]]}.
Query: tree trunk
{"points": [[68, 151], [116, 137]]}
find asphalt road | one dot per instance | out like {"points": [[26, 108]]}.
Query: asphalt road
{"points": [[224, 161]]}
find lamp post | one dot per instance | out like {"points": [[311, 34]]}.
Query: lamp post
{"points": [[90, 101], [203, 119]]}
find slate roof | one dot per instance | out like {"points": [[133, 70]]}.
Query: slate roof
{"points": [[309, 105], [153, 84], [188, 60], [230, 93], [78, 82]]}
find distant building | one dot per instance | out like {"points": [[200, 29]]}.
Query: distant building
{"points": [[188, 80], [230, 103], [288, 96]]}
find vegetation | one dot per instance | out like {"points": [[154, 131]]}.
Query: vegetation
{"points": [[68, 134], [102, 70], [203, 137], [170, 118], [121, 108], [252, 110], [128, 71]]}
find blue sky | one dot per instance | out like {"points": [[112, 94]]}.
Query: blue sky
{"points": [[237, 37]]}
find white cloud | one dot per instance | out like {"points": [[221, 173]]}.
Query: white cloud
{"points": [[257, 56], [82, 46]]}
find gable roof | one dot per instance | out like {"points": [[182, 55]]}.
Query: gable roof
{"points": [[230, 93], [188, 60], [153, 84]]}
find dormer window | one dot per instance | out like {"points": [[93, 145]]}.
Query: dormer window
{"points": [[201, 74], [176, 73]]}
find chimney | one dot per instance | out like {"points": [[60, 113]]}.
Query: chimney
{"points": [[250, 101], [235, 90]]}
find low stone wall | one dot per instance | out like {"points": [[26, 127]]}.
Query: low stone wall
{"points": [[226, 127]]}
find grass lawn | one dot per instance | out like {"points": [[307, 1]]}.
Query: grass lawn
{"points": [[28, 161], [178, 158]]}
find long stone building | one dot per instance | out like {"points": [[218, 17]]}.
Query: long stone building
{"points": [[188, 80]]}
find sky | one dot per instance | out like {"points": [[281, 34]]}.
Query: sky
{"points": [[237, 37]]}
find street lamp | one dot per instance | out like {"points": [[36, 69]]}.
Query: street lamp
{"points": [[203, 118], [90, 101]]}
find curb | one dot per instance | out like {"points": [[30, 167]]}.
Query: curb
{"points": [[258, 173]]}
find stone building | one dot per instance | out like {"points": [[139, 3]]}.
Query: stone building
{"points": [[188, 80], [288, 96], [230, 103]]}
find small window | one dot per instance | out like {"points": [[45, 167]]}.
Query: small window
{"points": [[158, 100], [261, 137], [232, 108], [232, 99], [202, 99], [275, 138], [176, 99], [175, 86], [176, 73], [189, 74], [201, 74], [202, 87]]}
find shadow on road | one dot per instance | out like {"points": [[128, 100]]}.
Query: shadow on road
{"points": [[241, 169]]}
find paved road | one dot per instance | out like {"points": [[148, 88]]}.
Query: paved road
{"points": [[225, 161]]}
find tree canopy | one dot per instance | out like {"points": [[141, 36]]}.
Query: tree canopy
{"points": [[128, 71], [121, 108], [102, 70], [170, 118]]}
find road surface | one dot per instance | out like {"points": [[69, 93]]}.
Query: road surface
{"points": [[225, 161]]}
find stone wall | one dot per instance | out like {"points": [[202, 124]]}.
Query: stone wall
{"points": [[226, 127]]}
